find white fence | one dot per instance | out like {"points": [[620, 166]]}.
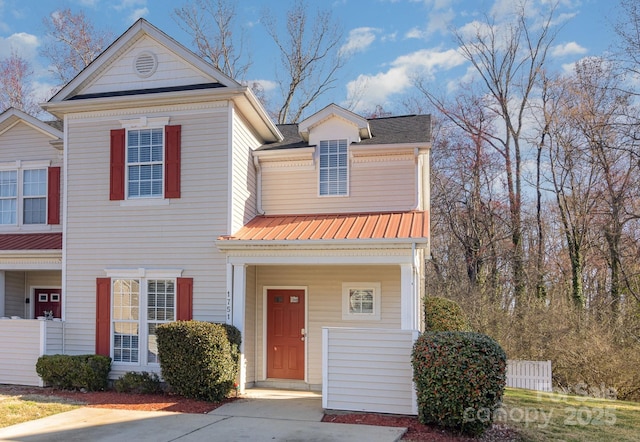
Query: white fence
{"points": [[532, 375], [22, 342], [367, 369]]}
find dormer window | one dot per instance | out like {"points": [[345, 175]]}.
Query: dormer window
{"points": [[334, 169]]}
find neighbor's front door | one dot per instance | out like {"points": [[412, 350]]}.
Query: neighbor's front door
{"points": [[285, 333], [48, 300]]}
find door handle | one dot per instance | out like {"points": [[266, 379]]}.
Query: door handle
{"points": [[303, 334]]}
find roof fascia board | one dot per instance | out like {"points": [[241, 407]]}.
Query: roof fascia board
{"points": [[335, 244]]}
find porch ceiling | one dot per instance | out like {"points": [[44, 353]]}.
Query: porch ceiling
{"points": [[413, 225]]}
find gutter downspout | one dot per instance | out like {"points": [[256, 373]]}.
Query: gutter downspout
{"points": [[256, 164]]}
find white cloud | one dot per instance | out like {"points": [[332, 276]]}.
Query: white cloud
{"points": [[265, 85], [368, 91], [138, 13], [571, 48], [25, 44], [128, 4], [415, 33], [358, 41]]}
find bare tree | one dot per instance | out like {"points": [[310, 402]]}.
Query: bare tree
{"points": [[211, 24], [72, 43], [15, 87], [309, 51], [508, 59]]}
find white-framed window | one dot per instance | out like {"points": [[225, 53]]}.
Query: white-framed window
{"points": [[361, 300], [145, 163], [23, 196], [334, 167], [138, 306]]}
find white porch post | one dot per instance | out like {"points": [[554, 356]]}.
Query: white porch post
{"points": [[2, 295], [409, 302], [238, 315]]}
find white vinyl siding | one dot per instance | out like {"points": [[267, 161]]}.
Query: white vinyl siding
{"points": [[22, 344], [324, 304], [243, 186], [376, 185], [357, 360], [172, 235], [172, 71]]}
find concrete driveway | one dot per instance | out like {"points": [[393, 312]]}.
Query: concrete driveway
{"points": [[261, 415]]}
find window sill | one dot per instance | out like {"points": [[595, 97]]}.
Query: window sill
{"points": [[11, 228]]}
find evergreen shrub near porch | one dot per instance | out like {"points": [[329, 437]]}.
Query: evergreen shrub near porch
{"points": [[459, 379], [197, 359], [442, 314], [74, 372]]}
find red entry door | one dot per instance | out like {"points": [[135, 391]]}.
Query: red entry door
{"points": [[48, 300], [285, 334]]}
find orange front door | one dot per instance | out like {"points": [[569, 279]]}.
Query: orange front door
{"points": [[48, 302], [285, 334]]}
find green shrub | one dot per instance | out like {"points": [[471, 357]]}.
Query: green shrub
{"points": [[134, 382], [443, 314], [459, 378], [235, 340], [89, 372], [196, 359]]}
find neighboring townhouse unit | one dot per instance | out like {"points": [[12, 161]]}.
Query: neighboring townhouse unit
{"points": [[182, 200], [30, 240]]}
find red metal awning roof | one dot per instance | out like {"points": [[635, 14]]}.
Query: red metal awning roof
{"points": [[31, 241], [357, 226]]}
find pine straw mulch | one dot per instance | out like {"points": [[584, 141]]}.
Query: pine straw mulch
{"points": [[170, 402]]}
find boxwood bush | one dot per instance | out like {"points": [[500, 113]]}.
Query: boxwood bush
{"points": [[443, 314], [196, 359], [67, 372], [459, 378], [134, 382]]}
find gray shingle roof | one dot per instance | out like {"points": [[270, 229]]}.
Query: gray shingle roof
{"points": [[390, 130]]}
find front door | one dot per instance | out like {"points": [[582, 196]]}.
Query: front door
{"points": [[285, 334], [48, 303]]}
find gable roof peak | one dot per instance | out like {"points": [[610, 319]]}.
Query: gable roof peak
{"points": [[136, 31], [334, 111]]}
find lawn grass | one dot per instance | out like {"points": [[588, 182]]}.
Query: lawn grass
{"points": [[557, 417], [23, 408]]}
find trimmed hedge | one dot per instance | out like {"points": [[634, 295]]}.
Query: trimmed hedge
{"points": [[196, 359], [66, 372], [443, 314], [459, 378], [134, 382]]}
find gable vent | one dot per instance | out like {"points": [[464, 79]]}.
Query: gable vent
{"points": [[145, 64]]}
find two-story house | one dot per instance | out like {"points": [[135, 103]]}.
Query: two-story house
{"points": [[182, 200]]}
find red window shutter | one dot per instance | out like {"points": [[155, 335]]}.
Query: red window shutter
{"points": [[103, 316], [172, 136], [117, 164], [53, 197], [185, 299]]}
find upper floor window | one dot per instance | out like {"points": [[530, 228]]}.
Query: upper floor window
{"points": [[334, 170], [145, 163], [23, 196], [145, 160]]}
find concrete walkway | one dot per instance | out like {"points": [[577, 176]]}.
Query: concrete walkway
{"points": [[260, 415]]}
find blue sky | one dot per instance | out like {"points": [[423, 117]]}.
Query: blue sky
{"points": [[389, 41]]}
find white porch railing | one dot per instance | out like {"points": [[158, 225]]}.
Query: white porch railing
{"points": [[368, 369], [22, 342], [532, 375]]}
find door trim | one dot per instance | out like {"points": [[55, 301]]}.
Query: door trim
{"points": [[264, 326]]}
